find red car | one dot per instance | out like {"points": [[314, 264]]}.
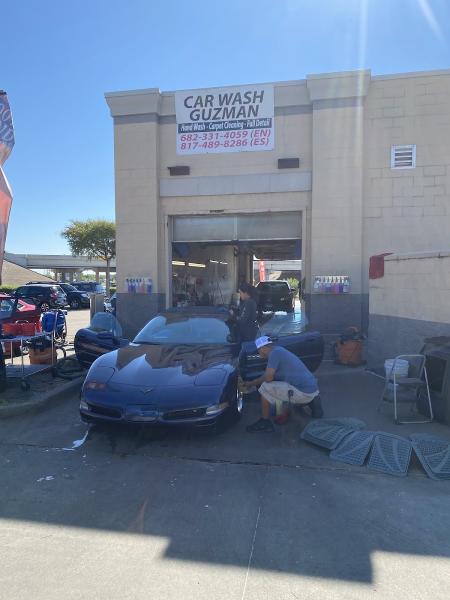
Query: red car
{"points": [[14, 310]]}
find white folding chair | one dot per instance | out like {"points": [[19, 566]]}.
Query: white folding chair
{"points": [[399, 389]]}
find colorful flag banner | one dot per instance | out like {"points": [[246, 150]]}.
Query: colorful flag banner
{"points": [[6, 146]]}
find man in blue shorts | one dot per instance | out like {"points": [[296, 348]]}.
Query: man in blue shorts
{"points": [[286, 378]]}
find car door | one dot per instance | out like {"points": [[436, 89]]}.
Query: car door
{"points": [[103, 335], [25, 292]]}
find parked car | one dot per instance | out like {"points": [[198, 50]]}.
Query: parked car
{"points": [[110, 304], [44, 296], [181, 369], [75, 298], [14, 310], [90, 287], [275, 296]]}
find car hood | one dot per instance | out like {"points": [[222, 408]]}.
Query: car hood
{"points": [[150, 365]]}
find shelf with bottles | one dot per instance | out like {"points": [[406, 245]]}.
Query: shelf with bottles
{"points": [[331, 284]]}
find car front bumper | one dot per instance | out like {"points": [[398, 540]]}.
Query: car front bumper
{"points": [[96, 413]]}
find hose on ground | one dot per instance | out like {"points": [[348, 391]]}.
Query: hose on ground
{"points": [[69, 368]]}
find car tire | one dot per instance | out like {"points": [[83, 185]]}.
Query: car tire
{"points": [[235, 411], [75, 304], [232, 415], [44, 307]]}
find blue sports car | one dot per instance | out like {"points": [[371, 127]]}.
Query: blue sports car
{"points": [[181, 369]]}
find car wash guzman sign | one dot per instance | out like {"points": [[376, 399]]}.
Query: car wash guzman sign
{"points": [[238, 119]]}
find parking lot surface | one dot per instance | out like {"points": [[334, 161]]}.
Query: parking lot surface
{"points": [[157, 514]]}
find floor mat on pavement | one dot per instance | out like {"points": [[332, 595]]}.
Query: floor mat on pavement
{"points": [[433, 453], [354, 448], [390, 454], [328, 433]]}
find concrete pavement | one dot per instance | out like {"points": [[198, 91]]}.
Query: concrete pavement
{"points": [[177, 515]]}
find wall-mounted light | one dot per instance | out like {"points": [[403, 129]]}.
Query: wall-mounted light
{"points": [[179, 170], [288, 163]]}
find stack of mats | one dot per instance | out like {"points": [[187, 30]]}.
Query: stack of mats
{"points": [[349, 443], [433, 454]]}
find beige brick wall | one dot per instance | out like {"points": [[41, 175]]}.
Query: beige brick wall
{"points": [[414, 286], [407, 210]]}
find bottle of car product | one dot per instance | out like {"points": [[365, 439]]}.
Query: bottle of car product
{"points": [[328, 284], [341, 284], [346, 285], [149, 285], [316, 284]]}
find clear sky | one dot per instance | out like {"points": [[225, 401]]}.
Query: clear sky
{"points": [[58, 57]]}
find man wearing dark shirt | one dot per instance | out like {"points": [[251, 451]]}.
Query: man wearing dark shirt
{"points": [[286, 379]]}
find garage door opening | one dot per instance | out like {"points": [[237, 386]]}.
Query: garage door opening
{"points": [[213, 255]]}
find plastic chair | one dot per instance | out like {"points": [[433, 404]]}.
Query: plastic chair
{"points": [[399, 389]]}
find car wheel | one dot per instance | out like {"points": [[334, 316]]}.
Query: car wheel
{"points": [[75, 304], [232, 415], [45, 306], [238, 407]]}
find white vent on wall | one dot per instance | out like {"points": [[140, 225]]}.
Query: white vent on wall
{"points": [[403, 157]]}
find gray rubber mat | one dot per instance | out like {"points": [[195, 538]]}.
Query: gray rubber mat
{"points": [[433, 453], [390, 454], [328, 433], [354, 448]]}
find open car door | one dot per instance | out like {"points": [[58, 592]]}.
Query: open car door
{"points": [[103, 335], [289, 332]]}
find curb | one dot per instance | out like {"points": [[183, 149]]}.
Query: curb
{"points": [[47, 398]]}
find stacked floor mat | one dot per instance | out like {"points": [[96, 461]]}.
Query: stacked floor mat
{"points": [[387, 453]]}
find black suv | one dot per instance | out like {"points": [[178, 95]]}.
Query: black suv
{"points": [[44, 296], [90, 287], [75, 298], [275, 295]]}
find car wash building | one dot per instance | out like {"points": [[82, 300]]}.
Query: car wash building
{"points": [[331, 170]]}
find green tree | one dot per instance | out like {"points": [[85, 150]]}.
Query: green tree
{"points": [[94, 238]]}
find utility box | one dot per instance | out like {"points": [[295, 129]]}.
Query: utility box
{"points": [[97, 304], [437, 353]]}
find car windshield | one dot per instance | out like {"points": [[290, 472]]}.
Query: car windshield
{"points": [[6, 308], [185, 329], [68, 288]]}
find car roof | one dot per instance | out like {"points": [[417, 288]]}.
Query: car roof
{"points": [[40, 284]]}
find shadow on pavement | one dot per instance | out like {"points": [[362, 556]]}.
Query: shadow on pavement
{"points": [[231, 499]]}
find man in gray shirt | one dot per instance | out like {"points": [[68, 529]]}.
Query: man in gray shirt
{"points": [[286, 379]]}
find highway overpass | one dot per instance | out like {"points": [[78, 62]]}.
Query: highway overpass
{"points": [[64, 266]]}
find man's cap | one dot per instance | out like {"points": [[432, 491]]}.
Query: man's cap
{"points": [[262, 341]]}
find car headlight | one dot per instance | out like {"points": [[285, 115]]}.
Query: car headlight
{"points": [[84, 405], [217, 408], [85, 295]]}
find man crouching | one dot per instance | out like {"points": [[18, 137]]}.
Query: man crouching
{"points": [[286, 379]]}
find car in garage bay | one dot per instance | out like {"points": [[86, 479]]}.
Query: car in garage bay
{"points": [[181, 369], [275, 296]]}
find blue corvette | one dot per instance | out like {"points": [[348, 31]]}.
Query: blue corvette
{"points": [[181, 369]]}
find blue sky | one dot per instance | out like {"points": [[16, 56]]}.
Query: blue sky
{"points": [[59, 57]]}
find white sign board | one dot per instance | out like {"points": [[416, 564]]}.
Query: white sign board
{"points": [[238, 119]]}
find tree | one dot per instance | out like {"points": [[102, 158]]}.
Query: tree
{"points": [[94, 238]]}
